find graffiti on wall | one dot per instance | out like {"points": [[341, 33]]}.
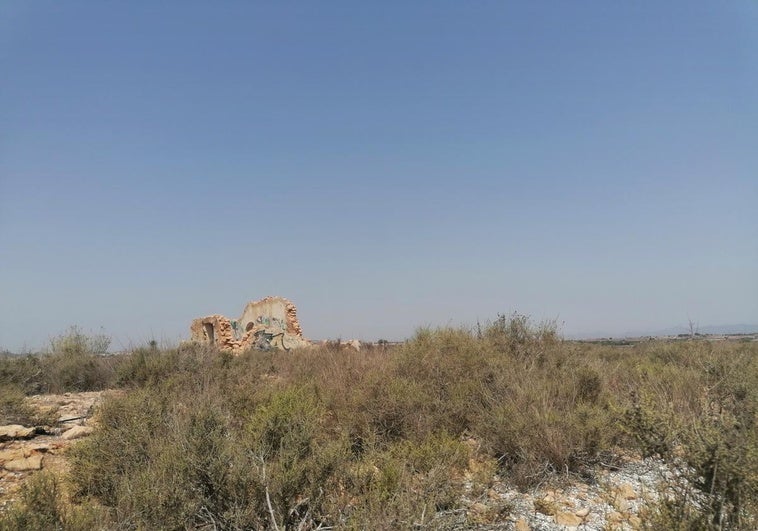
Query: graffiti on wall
{"points": [[271, 322], [272, 318]]}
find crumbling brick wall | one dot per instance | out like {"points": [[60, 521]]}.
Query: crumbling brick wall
{"points": [[272, 315]]}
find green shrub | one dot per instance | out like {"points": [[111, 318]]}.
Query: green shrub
{"points": [[75, 362], [42, 507], [146, 366], [75, 342], [169, 457], [404, 485], [27, 373], [75, 371], [326, 437], [700, 410], [13, 408], [514, 334]]}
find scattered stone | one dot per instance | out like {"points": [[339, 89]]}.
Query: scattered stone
{"points": [[24, 464], [615, 517], [627, 492], [567, 519], [521, 525], [582, 513], [622, 504], [76, 432], [545, 506], [16, 431], [11, 455], [26, 450]]}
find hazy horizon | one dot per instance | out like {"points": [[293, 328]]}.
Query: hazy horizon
{"points": [[385, 167]]}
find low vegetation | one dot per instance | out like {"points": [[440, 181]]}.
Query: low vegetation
{"points": [[385, 438], [73, 362]]}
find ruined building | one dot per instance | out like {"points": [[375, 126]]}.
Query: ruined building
{"points": [[268, 323]]}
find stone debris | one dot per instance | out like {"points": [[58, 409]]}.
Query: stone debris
{"points": [[579, 505], [76, 432], [567, 519], [24, 464], [16, 431], [68, 408], [268, 323], [521, 525], [26, 450]]}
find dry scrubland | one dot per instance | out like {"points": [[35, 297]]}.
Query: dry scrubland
{"points": [[387, 438]]}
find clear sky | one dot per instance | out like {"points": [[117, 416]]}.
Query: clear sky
{"points": [[384, 165]]}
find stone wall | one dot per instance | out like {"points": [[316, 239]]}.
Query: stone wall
{"points": [[274, 316], [272, 312]]}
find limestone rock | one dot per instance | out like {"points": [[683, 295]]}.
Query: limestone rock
{"points": [[567, 519], [545, 505], [24, 464], [16, 431], [11, 455], [521, 525], [627, 492], [76, 432], [622, 505], [622, 496], [615, 517]]}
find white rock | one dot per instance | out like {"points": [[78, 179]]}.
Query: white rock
{"points": [[76, 432]]}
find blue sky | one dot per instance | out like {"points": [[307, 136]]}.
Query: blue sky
{"points": [[386, 166]]}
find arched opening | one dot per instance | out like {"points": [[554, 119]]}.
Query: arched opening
{"points": [[208, 327]]}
